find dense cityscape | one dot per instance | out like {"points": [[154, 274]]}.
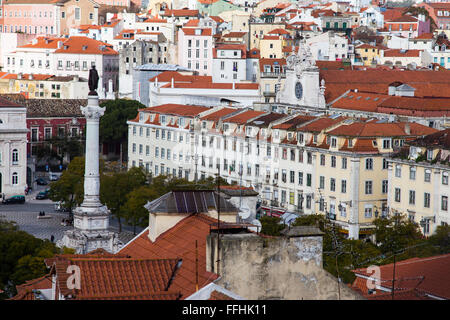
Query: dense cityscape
{"points": [[224, 150]]}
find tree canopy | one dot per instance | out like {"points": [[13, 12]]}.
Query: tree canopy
{"points": [[113, 124]]}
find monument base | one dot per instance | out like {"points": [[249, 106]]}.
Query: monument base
{"points": [[91, 231]]}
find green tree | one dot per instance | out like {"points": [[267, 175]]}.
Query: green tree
{"points": [[441, 239], [113, 124], [22, 257], [135, 213], [69, 189], [271, 226], [115, 187]]}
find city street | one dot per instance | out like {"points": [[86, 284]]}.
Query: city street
{"points": [[25, 215]]}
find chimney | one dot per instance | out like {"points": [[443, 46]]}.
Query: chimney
{"points": [[76, 78], [19, 76], [234, 85], [30, 77], [172, 83], [60, 44], [407, 128], [156, 82]]}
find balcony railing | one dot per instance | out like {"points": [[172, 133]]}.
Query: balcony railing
{"points": [[269, 94]]}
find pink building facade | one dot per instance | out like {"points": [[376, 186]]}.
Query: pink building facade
{"points": [[38, 17]]}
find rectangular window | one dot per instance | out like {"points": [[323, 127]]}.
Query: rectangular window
{"points": [[333, 161], [368, 212], [426, 200], [444, 203], [292, 176], [397, 194], [332, 184], [321, 182], [412, 197], [412, 173], [322, 159], [369, 164], [384, 186], [368, 187], [344, 163], [427, 175], [300, 178], [398, 171], [308, 179], [344, 186]]}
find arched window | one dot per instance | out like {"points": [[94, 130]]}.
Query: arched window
{"points": [[15, 178], [15, 156]]}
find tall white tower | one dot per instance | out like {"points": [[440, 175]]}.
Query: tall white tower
{"points": [[91, 219]]}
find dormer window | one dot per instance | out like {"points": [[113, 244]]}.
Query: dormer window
{"points": [[429, 155], [225, 127], [315, 138], [386, 143], [350, 143], [203, 124], [163, 120], [300, 137], [333, 142]]}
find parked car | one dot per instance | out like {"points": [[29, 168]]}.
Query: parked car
{"points": [[42, 195], [14, 199], [41, 181], [54, 177]]}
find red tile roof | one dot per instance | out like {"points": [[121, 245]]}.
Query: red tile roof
{"points": [[177, 109], [424, 36], [181, 13], [241, 47], [278, 31], [106, 277], [191, 32], [25, 291], [215, 116], [253, 53], [244, 117], [429, 276], [179, 241], [192, 23], [85, 45], [294, 122], [44, 43], [373, 129], [402, 53], [271, 38], [167, 76], [234, 34], [266, 61], [320, 124]]}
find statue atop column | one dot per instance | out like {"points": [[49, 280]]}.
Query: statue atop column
{"points": [[93, 81]]}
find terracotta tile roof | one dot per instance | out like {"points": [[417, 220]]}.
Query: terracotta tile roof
{"points": [[116, 277], [427, 83], [25, 291], [167, 76], [234, 34], [244, 117], [360, 101], [278, 31], [85, 45], [44, 43], [217, 19], [265, 120], [241, 47], [179, 241], [404, 18], [215, 116], [192, 23], [271, 38], [216, 295], [191, 32], [374, 129], [177, 109], [402, 53], [181, 13], [294, 122], [155, 20], [253, 53], [438, 139], [25, 76], [428, 275], [424, 36], [320, 124]]}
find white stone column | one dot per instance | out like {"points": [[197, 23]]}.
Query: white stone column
{"points": [[92, 112]]}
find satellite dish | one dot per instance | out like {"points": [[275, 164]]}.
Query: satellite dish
{"points": [[244, 213], [257, 226]]}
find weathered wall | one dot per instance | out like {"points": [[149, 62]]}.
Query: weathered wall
{"points": [[274, 268]]}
